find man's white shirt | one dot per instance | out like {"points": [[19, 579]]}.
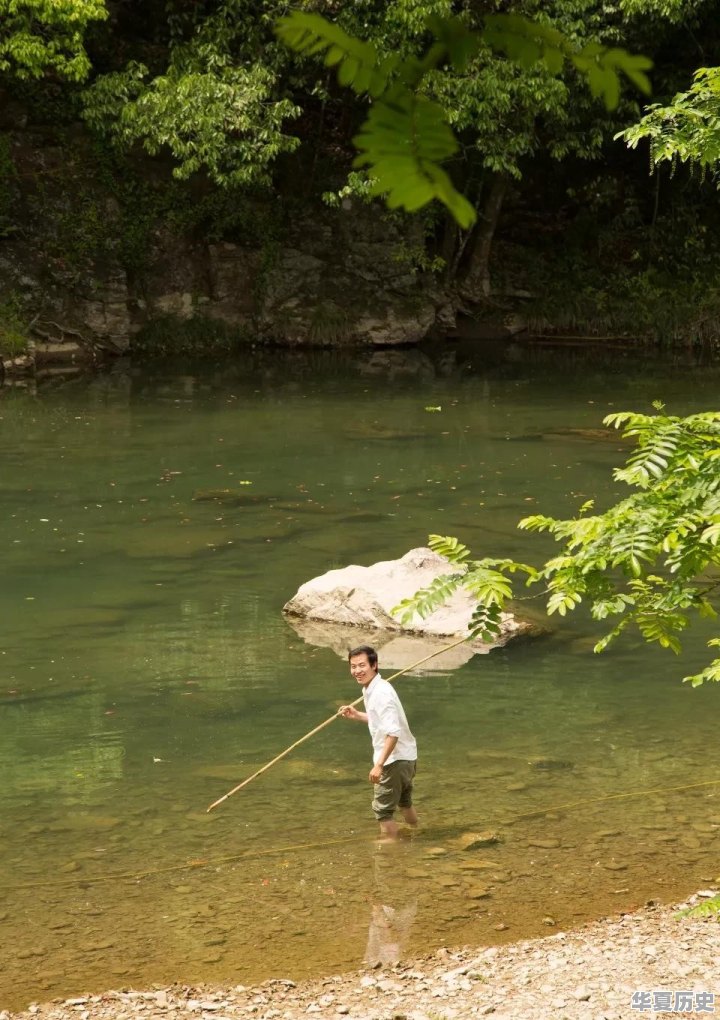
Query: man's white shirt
{"points": [[386, 718]]}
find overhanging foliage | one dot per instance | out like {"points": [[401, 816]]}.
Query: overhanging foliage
{"points": [[651, 560], [687, 130]]}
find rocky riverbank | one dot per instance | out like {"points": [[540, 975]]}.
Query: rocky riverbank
{"points": [[647, 963]]}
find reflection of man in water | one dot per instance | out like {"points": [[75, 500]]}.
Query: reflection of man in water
{"points": [[388, 933], [394, 747], [392, 913]]}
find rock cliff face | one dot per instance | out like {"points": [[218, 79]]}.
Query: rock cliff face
{"points": [[84, 263], [334, 279]]}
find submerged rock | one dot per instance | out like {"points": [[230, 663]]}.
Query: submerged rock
{"points": [[478, 892], [550, 764], [477, 840]]}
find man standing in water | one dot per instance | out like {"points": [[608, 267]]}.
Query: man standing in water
{"points": [[394, 747]]}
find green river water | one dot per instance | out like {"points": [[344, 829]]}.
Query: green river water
{"points": [[146, 668]]}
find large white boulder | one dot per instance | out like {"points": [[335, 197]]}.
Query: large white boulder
{"points": [[353, 606]]}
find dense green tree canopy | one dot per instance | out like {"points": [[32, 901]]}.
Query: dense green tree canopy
{"points": [[209, 83], [222, 100], [38, 36], [197, 77], [213, 94], [513, 134]]}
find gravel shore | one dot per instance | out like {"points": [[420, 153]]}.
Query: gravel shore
{"points": [[641, 964]]}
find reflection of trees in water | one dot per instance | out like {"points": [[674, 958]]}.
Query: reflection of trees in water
{"points": [[63, 749], [152, 681], [221, 643]]}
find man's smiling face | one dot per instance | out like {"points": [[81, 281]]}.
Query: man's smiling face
{"points": [[362, 670]]}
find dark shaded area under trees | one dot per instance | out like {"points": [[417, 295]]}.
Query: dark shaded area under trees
{"points": [[225, 135]]}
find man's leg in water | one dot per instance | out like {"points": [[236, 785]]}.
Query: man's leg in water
{"points": [[410, 815], [405, 800], [395, 787], [389, 828], [385, 802]]}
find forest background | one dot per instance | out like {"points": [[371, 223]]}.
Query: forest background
{"points": [[126, 122]]}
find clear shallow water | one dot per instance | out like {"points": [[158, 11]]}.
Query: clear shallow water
{"points": [[141, 622]]}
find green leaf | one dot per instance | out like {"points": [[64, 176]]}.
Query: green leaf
{"points": [[425, 601], [563, 601], [456, 39], [485, 622], [449, 547], [358, 62]]}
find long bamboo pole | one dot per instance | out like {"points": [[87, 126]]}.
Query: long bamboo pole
{"points": [[327, 722]]}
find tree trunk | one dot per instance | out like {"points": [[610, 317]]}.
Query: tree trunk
{"points": [[475, 285]]}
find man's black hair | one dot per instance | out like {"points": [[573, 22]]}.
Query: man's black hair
{"points": [[364, 650]]}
